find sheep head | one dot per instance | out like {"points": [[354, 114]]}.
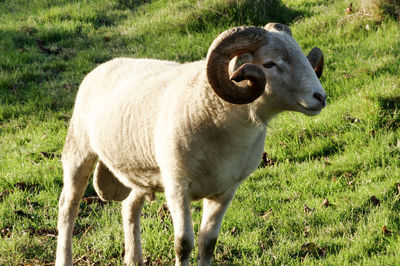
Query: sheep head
{"points": [[267, 64]]}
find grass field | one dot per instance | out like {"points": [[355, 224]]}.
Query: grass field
{"points": [[348, 155]]}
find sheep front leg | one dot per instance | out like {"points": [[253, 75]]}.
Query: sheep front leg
{"points": [[179, 206], [131, 210], [213, 212]]}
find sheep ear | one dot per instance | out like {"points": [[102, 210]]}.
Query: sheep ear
{"points": [[278, 27], [239, 60], [316, 58]]}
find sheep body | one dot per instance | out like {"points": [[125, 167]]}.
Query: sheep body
{"points": [[144, 126], [160, 126]]}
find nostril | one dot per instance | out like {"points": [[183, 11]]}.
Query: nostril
{"points": [[320, 98]]}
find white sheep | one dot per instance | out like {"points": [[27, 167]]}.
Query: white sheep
{"points": [[185, 129]]}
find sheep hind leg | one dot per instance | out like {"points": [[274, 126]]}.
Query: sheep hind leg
{"points": [[213, 212], [131, 210], [77, 165]]}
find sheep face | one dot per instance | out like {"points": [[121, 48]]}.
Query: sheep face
{"points": [[291, 82]]}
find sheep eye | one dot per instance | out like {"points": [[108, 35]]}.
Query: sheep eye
{"points": [[269, 64]]}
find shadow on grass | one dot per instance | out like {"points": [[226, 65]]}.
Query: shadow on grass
{"points": [[36, 249], [390, 114], [328, 148], [131, 4], [393, 217], [41, 71], [235, 13]]}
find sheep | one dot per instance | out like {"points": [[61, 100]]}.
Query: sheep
{"points": [[193, 131]]}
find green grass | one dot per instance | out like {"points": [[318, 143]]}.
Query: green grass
{"points": [[347, 154]]}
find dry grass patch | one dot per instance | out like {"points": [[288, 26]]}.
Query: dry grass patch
{"points": [[380, 9]]}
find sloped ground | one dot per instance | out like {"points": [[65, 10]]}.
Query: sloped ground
{"points": [[348, 155]]}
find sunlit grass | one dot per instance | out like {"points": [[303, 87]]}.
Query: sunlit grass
{"points": [[347, 154]]}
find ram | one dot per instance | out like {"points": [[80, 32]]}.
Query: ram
{"points": [[194, 131]]}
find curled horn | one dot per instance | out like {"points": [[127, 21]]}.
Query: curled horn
{"points": [[278, 27], [227, 45], [316, 58]]}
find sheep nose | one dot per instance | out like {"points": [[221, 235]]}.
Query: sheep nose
{"points": [[321, 98]]}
